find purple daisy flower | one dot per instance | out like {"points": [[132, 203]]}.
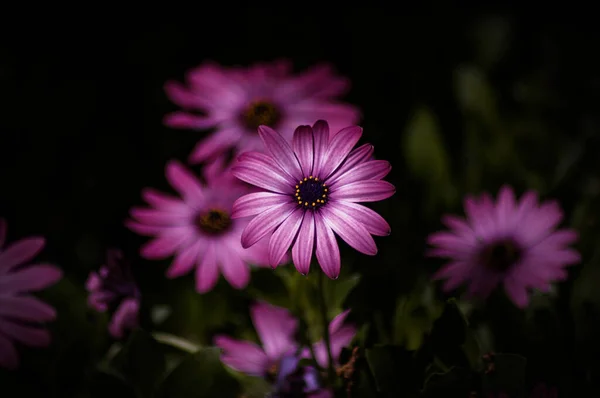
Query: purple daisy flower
{"points": [[313, 189], [113, 289], [508, 242], [276, 328], [21, 314], [197, 228], [237, 101]]}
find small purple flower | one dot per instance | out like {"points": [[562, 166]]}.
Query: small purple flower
{"points": [[298, 381], [313, 189], [113, 289], [508, 242], [21, 314], [235, 101]]}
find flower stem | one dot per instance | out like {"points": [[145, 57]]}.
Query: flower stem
{"points": [[325, 321], [176, 341]]}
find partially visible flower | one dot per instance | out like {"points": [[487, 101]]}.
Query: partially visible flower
{"points": [[313, 187], [237, 101], [22, 315], [276, 329], [340, 336], [508, 242], [113, 289], [298, 381], [197, 228]]}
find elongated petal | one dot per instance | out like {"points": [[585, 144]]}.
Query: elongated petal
{"points": [[26, 308], [371, 170], [275, 327], [125, 318], [266, 223], [207, 271], [321, 142], [281, 151], [185, 120], [328, 251], [9, 358], [339, 147], [283, 237], [29, 335], [215, 144], [157, 217], [183, 180], [186, 260], [303, 248], [372, 221], [161, 247], [302, 143], [234, 269], [143, 229], [243, 356], [255, 203], [29, 279], [350, 230], [364, 191], [258, 169], [20, 252]]}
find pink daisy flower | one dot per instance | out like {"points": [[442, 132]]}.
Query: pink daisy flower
{"points": [[312, 189], [508, 242], [237, 101], [197, 228], [113, 289], [21, 314]]}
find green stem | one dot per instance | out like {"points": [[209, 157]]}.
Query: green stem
{"points": [[176, 341], [326, 336]]}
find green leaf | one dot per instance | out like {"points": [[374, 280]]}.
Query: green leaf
{"points": [[394, 369], [426, 156], [200, 375], [141, 362], [104, 384], [475, 94], [337, 291], [508, 375], [414, 317]]}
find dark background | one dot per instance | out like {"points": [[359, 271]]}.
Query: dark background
{"points": [[81, 133]]}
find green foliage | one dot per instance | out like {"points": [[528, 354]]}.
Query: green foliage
{"points": [[394, 369]]}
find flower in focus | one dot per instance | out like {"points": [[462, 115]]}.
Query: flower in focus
{"points": [[22, 315], [312, 189], [237, 101], [340, 336], [113, 289], [508, 242], [298, 381], [276, 329], [197, 228]]}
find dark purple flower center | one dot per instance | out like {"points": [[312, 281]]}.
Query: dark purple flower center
{"points": [[500, 255], [311, 193], [261, 113], [213, 222]]}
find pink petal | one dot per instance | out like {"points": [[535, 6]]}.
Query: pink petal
{"points": [[337, 322], [369, 219], [27, 335], [163, 201], [185, 260], [260, 170], [328, 251], [339, 340], [359, 155], [243, 356], [125, 318], [281, 151], [181, 96], [93, 282], [371, 170], [215, 144], [3, 228], [184, 120], [26, 308], [505, 208], [283, 237], [302, 143], [29, 279], [265, 223], [321, 142], [339, 147], [364, 191], [275, 327], [350, 230], [459, 226], [20, 252], [161, 247], [9, 358], [539, 222], [449, 240], [207, 272], [157, 217], [255, 203], [234, 269], [517, 293], [303, 248], [183, 181], [143, 229]]}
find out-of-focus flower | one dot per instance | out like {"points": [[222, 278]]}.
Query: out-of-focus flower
{"points": [[298, 381], [237, 101], [340, 335], [113, 289], [312, 189], [197, 228], [276, 330], [21, 314], [508, 242]]}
